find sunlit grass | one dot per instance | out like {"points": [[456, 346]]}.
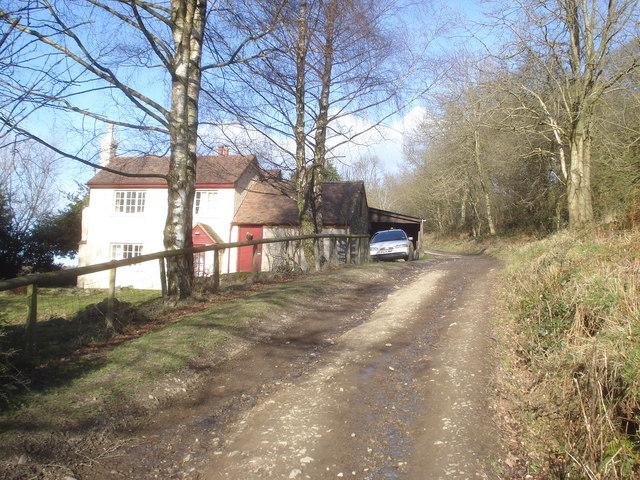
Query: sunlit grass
{"points": [[64, 302], [81, 390], [575, 299]]}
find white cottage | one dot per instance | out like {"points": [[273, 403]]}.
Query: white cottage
{"points": [[125, 216], [234, 198]]}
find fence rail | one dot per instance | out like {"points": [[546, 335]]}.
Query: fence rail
{"points": [[32, 281]]}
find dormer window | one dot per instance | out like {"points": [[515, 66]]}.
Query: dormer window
{"points": [[129, 201]]}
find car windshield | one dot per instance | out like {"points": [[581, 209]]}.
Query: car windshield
{"points": [[388, 236]]}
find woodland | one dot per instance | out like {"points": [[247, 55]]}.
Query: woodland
{"points": [[530, 134], [538, 136], [531, 108]]}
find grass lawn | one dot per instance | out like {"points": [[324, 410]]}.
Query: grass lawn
{"points": [[63, 302], [73, 386]]}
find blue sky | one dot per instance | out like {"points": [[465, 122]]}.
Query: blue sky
{"points": [[385, 142]]}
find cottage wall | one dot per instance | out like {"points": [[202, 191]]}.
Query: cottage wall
{"points": [[102, 228], [239, 201]]}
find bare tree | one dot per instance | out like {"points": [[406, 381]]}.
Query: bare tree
{"points": [[134, 64], [566, 46], [335, 60], [478, 165], [28, 180], [376, 182]]}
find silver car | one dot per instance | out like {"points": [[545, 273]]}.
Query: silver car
{"points": [[391, 245]]}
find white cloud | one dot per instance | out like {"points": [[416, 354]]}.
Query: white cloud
{"points": [[385, 142]]}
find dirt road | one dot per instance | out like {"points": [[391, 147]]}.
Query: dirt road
{"points": [[389, 381]]}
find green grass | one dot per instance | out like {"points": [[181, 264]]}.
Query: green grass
{"points": [[64, 302], [492, 245], [80, 391]]}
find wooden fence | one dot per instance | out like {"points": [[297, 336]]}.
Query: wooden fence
{"points": [[31, 281]]}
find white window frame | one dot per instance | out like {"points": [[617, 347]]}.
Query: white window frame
{"points": [[208, 207], [129, 201], [122, 251], [200, 264]]}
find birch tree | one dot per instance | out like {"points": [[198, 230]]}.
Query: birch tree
{"points": [[336, 61], [133, 64]]}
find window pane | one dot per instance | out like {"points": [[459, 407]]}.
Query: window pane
{"points": [[119, 205], [120, 251], [129, 202], [116, 251], [204, 203], [196, 203]]}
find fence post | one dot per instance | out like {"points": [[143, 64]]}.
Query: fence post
{"points": [[363, 250], [163, 278], [32, 317], [256, 258], [110, 299], [288, 257], [356, 253], [333, 252], [317, 247], [216, 270], [348, 252]]}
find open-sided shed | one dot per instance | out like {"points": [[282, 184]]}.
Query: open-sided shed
{"points": [[385, 220]]}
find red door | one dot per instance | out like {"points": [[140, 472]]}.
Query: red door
{"points": [[245, 254]]}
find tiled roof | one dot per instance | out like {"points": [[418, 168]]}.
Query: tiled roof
{"points": [[209, 231], [221, 169], [272, 203]]}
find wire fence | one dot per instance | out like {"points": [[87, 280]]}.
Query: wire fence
{"points": [[71, 317]]}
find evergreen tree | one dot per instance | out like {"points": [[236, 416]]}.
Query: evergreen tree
{"points": [[10, 241]]}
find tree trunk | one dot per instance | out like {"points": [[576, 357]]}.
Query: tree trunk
{"points": [[481, 179], [322, 122], [463, 208], [303, 175], [188, 20], [579, 200]]}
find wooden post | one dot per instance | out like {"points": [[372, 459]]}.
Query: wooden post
{"points": [[216, 270], [333, 252], [163, 278], [348, 252], [256, 258], [110, 299], [316, 247], [288, 257], [32, 317]]}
